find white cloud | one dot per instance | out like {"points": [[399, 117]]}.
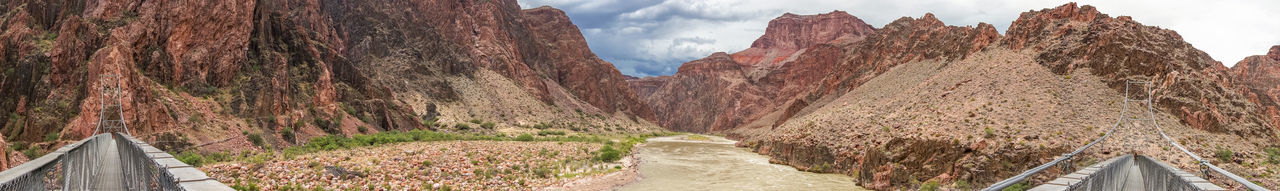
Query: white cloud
{"points": [[643, 37]]}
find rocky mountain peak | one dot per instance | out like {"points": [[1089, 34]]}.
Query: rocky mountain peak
{"points": [[1274, 54], [791, 31]]}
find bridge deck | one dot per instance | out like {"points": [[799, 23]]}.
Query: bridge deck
{"points": [[1134, 181], [110, 174]]}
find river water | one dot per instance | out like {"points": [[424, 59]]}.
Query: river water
{"points": [[674, 163]]}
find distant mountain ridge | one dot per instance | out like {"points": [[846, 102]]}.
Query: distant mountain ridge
{"points": [[1054, 73]]}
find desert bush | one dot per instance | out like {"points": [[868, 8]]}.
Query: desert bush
{"points": [[929, 186], [542, 126], [550, 132], [1273, 155], [191, 158], [1224, 154], [256, 139], [287, 134], [608, 154], [524, 137], [52, 136]]}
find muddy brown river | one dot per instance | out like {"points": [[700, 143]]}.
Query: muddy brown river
{"points": [[674, 163]]}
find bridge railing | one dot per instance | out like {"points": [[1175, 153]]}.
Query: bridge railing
{"points": [[1203, 163], [74, 167], [1160, 176], [154, 164], [1065, 158], [48, 172], [141, 171]]}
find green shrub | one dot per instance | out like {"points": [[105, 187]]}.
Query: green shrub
{"points": [[430, 122], [962, 185], [52, 136], [608, 154], [362, 129], [1224, 154], [348, 109], [542, 126], [524, 137], [550, 132], [462, 126], [488, 125], [1021, 186], [989, 132], [542, 172], [929, 186], [191, 158], [247, 186], [1273, 155], [476, 121], [287, 134], [256, 139]]}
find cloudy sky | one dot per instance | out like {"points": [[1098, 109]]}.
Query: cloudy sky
{"points": [[653, 37]]}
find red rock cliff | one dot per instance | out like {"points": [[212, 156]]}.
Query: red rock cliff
{"points": [[1188, 82], [1258, 78], [726, 91]]}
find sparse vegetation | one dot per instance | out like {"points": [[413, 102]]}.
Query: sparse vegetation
{"points": [[256, 139], [542, 126], [550, 132], [698, 138], [608, 154], [287, 134], [432, 122], [52, 136], [989, 132], [488, 125], [1273, 155], [476, 121], [524, 137], [929, 186], [1021, 186], [1224, 154], [190, 158], [462, 126]]}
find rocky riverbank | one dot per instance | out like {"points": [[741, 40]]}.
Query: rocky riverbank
{"points": [[461, 165]]}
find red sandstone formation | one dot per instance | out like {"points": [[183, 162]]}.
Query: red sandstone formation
{"points": [[725, 91], [211, 70], [790, 33], [1257, 78], [1189, 82]]}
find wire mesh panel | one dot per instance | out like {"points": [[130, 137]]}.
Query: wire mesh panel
{"points": [[37, 179], [141, 171]]}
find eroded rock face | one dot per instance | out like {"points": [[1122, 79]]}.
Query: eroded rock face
{"points": [[790, 32], [575, 67], [727, 91], [1187, 81], [1258, 78], [211, 70], [647, 85], [706, 94]]}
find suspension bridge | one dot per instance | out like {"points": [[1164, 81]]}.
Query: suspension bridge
{"points": [[1131, 171], [110, 159]]}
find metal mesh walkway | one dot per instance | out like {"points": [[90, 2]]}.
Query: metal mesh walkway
{"points": [[1129, 172]]}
